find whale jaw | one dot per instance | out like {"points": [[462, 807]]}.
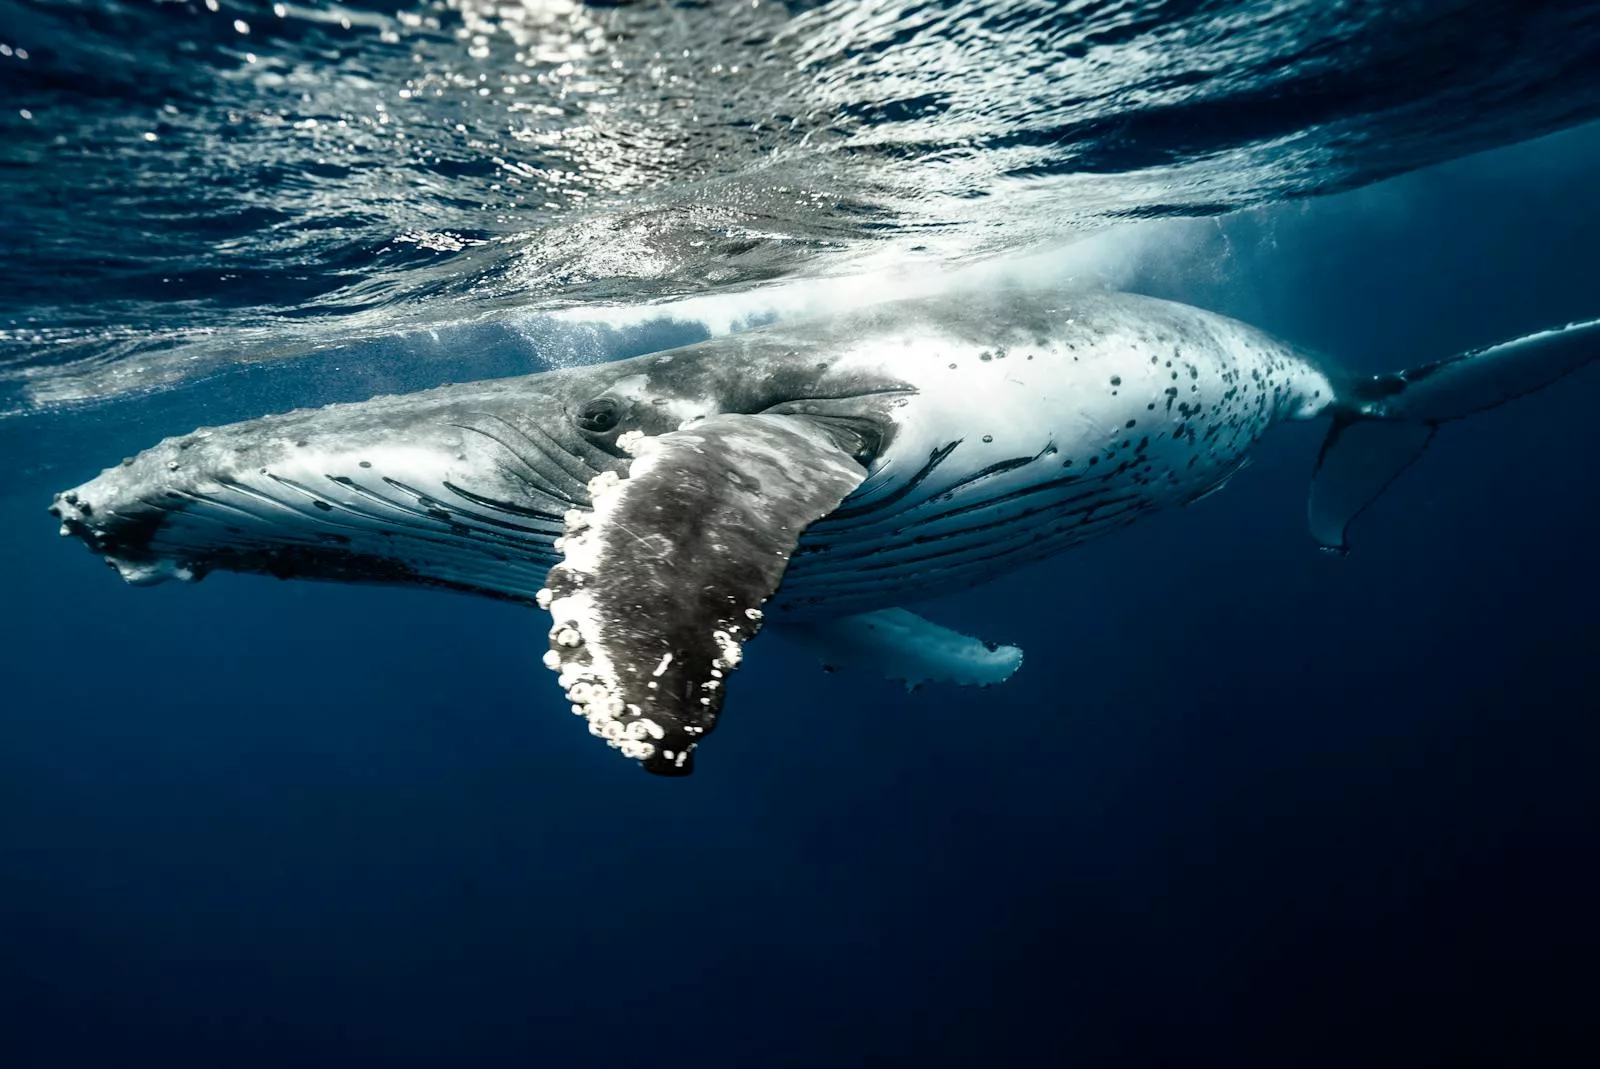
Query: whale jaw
{"points": [[452, 495]]}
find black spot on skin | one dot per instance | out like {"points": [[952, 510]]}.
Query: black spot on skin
{"points": [[323, 505], [985, 356], [301, 444], [1151, 407], [952, 367], [1131, 423], [365, 464], [1067, 463], [1093, 461], [988, 437], [1116, 380]]}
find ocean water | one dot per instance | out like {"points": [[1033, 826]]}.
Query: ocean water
{"points": [[1244, 802]]}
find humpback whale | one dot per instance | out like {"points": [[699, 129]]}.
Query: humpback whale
{"points": [[810, 476]]}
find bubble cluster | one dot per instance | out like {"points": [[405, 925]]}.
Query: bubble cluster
{"points": [[577, 651]]}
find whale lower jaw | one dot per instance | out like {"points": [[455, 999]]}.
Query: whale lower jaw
{"points": [[346, 530], [438, 504], [415, 528]]}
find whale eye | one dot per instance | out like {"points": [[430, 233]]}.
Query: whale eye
{"points": [[599, 415]]}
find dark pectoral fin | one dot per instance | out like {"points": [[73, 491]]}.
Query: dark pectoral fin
{"points": [[1387, 421], [664, 581], [1359, 459]]}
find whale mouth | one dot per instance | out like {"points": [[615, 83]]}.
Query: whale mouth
{"points": [[452, 493]]}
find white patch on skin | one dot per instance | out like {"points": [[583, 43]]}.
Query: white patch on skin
{"points": [[728, 648], [148, 573], [636, 388], [1105, 371]]}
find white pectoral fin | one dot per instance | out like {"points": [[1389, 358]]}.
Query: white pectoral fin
{"points": [[904, 646]]}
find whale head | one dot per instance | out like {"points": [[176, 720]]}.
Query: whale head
{"points": [[464, 487], [650, 506]]}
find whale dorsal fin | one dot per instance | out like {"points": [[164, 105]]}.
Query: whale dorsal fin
{"points": [[663, 582]]}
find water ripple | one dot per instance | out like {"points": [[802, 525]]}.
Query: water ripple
{"points": [[188, 178]]}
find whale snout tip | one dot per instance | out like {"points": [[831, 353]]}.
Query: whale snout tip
{"points": [[71, 509], [115, 538], [76, 515]]}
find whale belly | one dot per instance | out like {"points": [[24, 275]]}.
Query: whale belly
{"points": [[1012, 453]]}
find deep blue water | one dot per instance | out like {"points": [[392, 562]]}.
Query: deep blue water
{"points": [[1243, 803]]}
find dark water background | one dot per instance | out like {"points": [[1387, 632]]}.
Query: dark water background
{"points": [[1244, 802]]}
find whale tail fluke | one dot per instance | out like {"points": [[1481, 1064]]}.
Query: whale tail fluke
{"points": [[1385, 423]]}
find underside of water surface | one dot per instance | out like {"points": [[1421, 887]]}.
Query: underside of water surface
{"points": [[193, 184]]}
